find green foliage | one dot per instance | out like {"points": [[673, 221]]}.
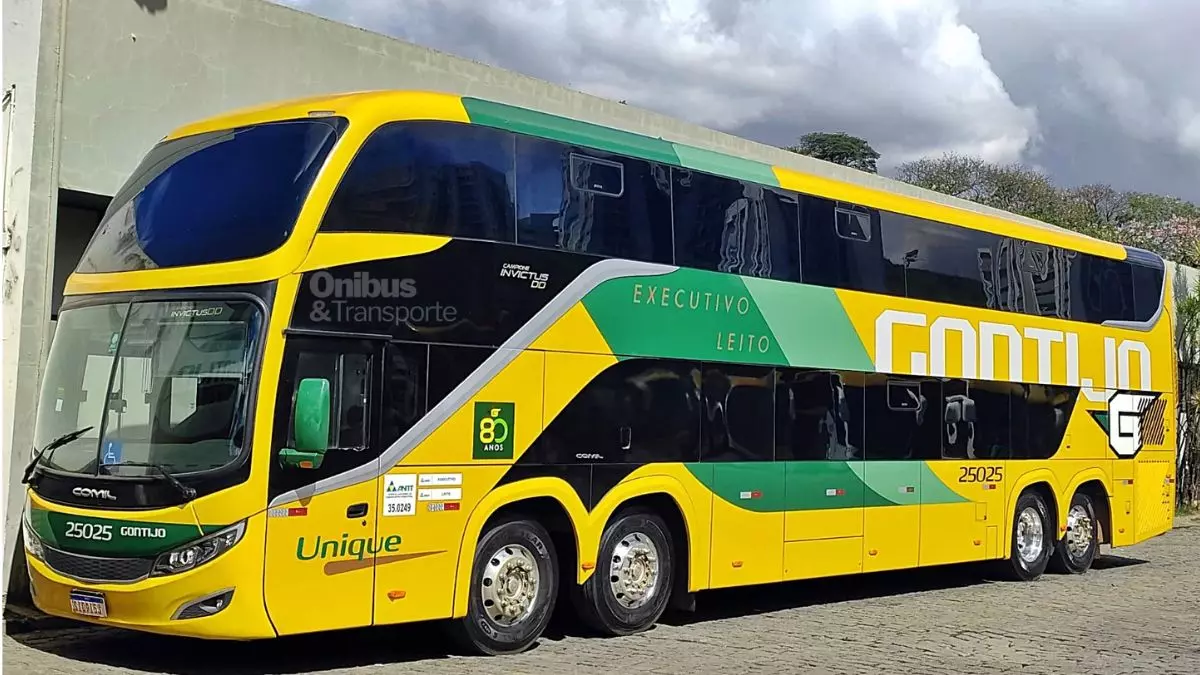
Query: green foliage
{"points": [[839, 148], [1168, 226]]}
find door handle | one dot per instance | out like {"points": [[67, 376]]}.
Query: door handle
{"points": [[356, 510]]}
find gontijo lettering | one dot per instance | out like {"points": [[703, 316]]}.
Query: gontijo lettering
{"points": [[977, 344]]}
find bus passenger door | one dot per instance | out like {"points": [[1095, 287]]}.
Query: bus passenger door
{"points": [[319, 555], [819, 440], [962, 493], [901, 431], [737, 438]]}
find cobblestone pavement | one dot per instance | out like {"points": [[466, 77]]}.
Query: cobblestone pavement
{"points": [[1138, 611]]}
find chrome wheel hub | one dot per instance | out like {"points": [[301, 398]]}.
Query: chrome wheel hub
{"points": [[634, 571], [1080, 529], [1030, 535], [510, 583]]}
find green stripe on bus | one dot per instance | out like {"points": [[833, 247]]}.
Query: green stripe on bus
{"points": [[811, 325], [109, 536], [567, 130], [772, 487], [721, 164], [696, 314], [685, 314]]}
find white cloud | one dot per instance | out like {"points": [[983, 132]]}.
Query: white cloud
{"points": [[909, 75], [1091, 90]]}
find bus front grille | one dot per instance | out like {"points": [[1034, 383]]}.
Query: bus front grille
{"points": [[92, 568]]}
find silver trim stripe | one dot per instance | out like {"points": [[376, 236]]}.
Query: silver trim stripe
{"points": [[588, 280]]}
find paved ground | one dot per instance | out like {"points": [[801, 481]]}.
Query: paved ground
{"points": [[1137, 612]]}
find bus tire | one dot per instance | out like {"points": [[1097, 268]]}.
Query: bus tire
{"points": [[514, 586], [634, 576], [1076, 551], [1032, 538]]}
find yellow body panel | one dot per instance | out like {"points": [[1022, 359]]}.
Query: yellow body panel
{"points": [[319, 569], [892, 539]]}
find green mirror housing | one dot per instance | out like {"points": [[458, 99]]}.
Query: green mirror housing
{"points": [[310, 419]]}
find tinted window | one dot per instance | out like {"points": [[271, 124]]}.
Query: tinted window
{"points": [[1039, 419], [739, 412], [637, 411], [350, 367], [429, 178], [904, 418], [731, 226], [842, 248], [975, 420], [449, 366], [936, 262], [225, 195], [818, 415], [1102, 290], [578, 199], [1147, 290], [404, 386]]}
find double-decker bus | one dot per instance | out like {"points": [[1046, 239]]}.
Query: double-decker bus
{"points": [[390, 357]]}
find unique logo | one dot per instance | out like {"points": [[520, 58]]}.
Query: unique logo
{"points": [[1132, 420], [349, 554], [494, 430], [93, 493]]}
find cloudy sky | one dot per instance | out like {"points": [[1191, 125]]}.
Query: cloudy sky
{"points": [[1088, 90]]}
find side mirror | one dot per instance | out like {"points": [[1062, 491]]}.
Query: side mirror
{"points": [[310, 419]]}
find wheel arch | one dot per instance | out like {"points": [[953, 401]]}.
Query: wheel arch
{"points": [[1094, 484], [550, 501], [1041, 481], [666, 497]]}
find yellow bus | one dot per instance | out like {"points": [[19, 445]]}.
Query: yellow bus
{"points": [[389, 357]]}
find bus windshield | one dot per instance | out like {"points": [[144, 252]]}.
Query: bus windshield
{"points": [[212, 197], [159, 383]]}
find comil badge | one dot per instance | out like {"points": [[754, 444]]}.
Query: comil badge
{"points": [[1132, 420]]}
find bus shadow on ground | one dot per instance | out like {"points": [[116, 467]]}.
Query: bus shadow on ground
{"points": [[422, 642]]}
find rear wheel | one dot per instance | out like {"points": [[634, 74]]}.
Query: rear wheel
{"points": [[514, 585], [1076, 551], [632, 583], [1032, 538]]}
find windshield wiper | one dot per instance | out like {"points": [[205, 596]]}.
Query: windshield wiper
{"points": [[31, 469], [188, 493]]}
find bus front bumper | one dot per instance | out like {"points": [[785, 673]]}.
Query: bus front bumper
{"points": [[218, 600]]}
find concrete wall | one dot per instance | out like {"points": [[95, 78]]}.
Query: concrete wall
{"points": [[32, 29]]}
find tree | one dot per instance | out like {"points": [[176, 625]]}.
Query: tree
{"points": [[1154, 208], [839, 148], [1101, 204], [1013, 187]]}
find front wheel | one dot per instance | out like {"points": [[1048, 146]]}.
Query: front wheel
{"points": [[514, 585], [632, 583], [1076, 551], [1032, 538]]}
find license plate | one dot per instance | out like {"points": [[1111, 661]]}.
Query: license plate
{"points": [[89, 603]]}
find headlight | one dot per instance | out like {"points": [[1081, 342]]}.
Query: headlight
{"points": [[33, 543], [200, 551]]}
